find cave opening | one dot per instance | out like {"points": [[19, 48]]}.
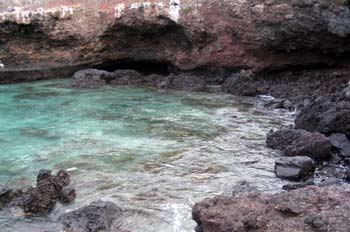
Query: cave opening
{"points": [[145, 67]]}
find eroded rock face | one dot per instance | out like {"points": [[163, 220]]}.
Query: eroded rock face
{"points": [[96, 217], [243, 187], [41, 199], [44, 40], [295, 168], [296, 142], [306, 209]]}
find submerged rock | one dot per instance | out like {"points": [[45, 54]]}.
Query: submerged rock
{"points": [[7, 195], [243, 187], [296, 142], [306, 209], [96, 217], [42, 198], [295, 168]]}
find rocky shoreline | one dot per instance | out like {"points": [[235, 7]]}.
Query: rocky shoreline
{"points": [[313, 153]]}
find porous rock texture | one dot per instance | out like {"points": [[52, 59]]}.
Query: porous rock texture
{"points": [[55, 38], [306, 209], [297, 142], [326, 115], [95, 217], [41, 199]]}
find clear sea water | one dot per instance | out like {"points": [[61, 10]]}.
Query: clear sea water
{"points": [[152, 153]]}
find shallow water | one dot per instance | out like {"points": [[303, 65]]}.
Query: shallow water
{"points": [[153, 154]]}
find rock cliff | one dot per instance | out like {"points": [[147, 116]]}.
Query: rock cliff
{"points": [[47, 39]]}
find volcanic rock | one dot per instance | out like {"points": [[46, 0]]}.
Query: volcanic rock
{"points": [[341, 142], [126, 77], [90, 78], [42, 198], [325, 115], [295, 168], [305, 209], [96, 217], [252, 34], [296, 142]]}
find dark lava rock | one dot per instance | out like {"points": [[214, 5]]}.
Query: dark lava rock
{"points": [[325, 115], [242, 84], [42, 198], [188, 82], [295, 168], [341, 142], [126, 77], [90, 78], [96, 217], [306, 209], [300, 143]]}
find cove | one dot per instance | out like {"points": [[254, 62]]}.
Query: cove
{"points": [[152, 153]]}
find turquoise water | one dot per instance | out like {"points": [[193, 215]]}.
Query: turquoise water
{"points": [[152, 153]]}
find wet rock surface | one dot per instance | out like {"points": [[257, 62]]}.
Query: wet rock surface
{"points": [[96, 217], [243, 187], [306, 209], [41, 199], [295, 168], [296, 142]]}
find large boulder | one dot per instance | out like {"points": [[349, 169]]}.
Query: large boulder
{"points": [[90, 78], [296, 142], [96, 217], [306, 209], [243, 83], [325, 115], [295, 168]]}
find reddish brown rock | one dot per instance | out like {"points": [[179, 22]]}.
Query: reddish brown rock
{"points": [[306, 209], [55, 41], [297, 142]]}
